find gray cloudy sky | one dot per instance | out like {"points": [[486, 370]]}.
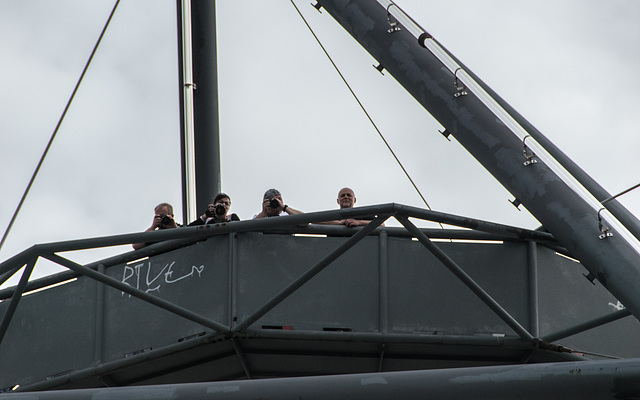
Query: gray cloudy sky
{"points": [[286, 120]]}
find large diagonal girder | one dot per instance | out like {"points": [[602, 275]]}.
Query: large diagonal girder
{"points": [[562, 209]]}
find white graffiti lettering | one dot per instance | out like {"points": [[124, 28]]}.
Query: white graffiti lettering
{"points": [[153, 281], [618, 306]]}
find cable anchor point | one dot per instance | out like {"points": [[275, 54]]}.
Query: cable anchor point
{"points": [[605, 231], [528, 154], [461, 89], [590, 277], [317, 6], [516, 203], [445, 133], [393, 22]]}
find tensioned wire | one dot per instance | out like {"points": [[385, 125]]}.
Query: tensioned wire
{"points": [[362, 106], [86, 67], [57, 128]]}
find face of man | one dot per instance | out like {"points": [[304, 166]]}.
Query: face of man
{"points": [[346, 198], [163, 210], [160, 221]]}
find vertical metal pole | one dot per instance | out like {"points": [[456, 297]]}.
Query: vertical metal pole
{"points": [[532, 262], [383, 264], [187, 87], [99, 334], [205, 108], [233, 278]]}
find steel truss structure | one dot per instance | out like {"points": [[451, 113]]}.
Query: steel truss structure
{"points": [[357, 303], [522, 342]]}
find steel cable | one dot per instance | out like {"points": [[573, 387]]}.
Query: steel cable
{"points": [[57, 128], [362, 106]]}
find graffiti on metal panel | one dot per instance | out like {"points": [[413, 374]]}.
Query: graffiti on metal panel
{"points": [[146, 277], [618, 306]]}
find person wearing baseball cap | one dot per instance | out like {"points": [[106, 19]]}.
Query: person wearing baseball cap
{"points": [[274, 206]]}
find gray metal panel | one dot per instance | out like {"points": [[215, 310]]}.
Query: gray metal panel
{"points": [[568, 298], [53, 331], [195, 277], [427, 297], [344, 295]]}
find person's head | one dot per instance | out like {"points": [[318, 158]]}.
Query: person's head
{"points": [[270, 194], [223, 199], [164, 208], [346, 198], [273, 199]]}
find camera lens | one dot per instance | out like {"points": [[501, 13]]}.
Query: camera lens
{"points": [[273, 203], [166, 219], [220, 209]]}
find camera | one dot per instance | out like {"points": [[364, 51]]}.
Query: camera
{"points": [[166, 219], [274, 203], [220, 209]]}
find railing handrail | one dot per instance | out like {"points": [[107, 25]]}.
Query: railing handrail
{"points": [[169, 239]]}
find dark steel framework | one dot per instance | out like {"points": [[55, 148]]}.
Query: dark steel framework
{"points": [[609, 258], [526, 339], [565, 381]]}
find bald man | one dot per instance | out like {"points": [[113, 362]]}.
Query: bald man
{"points": [[347, 199]]}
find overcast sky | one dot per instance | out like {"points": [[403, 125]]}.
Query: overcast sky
{"points": [[286, 119]]}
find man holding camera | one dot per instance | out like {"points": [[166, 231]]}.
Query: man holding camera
{"points": [[163, 219], [217, 212], [273, 205]]}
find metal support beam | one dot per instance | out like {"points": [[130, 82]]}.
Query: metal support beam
{"points": [[99, 315], [15, 299], [532, 261], [5, 276], [233, 278], [258, 334], [383, 269], [603, 380], [465, 278], [480, 124], [381, 363], [200, 141], [243, 361], [425, 339], [205, 108], [472, 223], [616, 208], [16, 262], [585, 326]]}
